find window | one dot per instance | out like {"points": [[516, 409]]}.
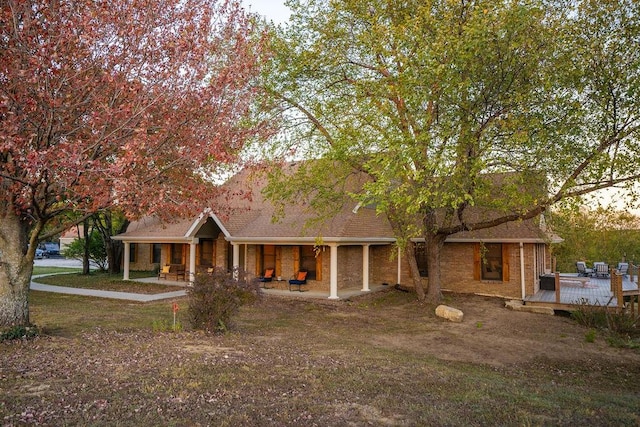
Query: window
{"points": [[206, 252], [420, 249], [156, 253], [176, 253], [133, 252], [492, 262]]}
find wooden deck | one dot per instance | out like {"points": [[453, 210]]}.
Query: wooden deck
{"points": [[574, 291]]}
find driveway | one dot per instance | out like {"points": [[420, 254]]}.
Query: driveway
{"points": [[58, 262]]}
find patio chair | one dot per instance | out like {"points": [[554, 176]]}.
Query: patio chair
{"points": [[602, 269], [581, 266], [299, 280], [268, 277], [623, 268]]}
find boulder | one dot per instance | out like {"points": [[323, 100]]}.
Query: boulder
{"points": [[517, 305], [449, 313]]}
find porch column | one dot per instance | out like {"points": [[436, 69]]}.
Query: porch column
{"points": [[365, 268], [192, 261], [127, 255], [399, 265], [333, 274], [236, 259]]}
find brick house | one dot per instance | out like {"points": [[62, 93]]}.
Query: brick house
{"points": [[354, 249]]}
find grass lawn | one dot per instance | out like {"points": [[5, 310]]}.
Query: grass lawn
{"points": [[103, 281], [382, 359]]}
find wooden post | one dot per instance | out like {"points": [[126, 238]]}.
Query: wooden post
{"points": [[557, 279], [616, 288]]}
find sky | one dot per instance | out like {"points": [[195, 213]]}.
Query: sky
{"points": [[273, 10]]}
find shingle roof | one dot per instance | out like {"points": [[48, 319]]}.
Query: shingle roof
{"points": [[246, 216]]}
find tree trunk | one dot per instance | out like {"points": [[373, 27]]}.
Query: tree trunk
{"points": [[434, 245], [115, 251], [85, 254], [16, 267], [410, 254], [114, 254]]}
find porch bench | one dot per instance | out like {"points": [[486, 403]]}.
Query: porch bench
{"points": [[172, 270]]}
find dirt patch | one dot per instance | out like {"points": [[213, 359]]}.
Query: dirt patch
{"points": [[382, 359]]}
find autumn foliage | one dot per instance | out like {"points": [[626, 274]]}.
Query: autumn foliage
{"points": [[117, 102]]}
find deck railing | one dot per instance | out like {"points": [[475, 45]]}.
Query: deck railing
{"points": [[615, 286]]}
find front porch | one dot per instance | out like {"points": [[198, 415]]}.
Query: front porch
{"points": [[572, 290], [281, 288]]}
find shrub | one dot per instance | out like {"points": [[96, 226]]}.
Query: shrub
{"points": [[591, 316], [166, 326], [215, 298], [97, 250], [590, 336], [19, 332], [621, 326]]}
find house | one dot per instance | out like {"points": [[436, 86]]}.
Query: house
{"points": [[355, 248], [68, 236]]}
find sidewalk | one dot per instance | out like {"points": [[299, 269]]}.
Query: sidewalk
{"points": [[35, 286]]}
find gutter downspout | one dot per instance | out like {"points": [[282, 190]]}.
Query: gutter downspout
{"points": [[399, 265], [522, 281]]}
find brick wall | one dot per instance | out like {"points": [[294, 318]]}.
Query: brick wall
{"points": [[457, 271], [457, 268], [143, 258]]}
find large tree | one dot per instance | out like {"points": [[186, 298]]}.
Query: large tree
{"points": [[102, 102], [427, 97]]}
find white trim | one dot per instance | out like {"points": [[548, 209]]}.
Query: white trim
{"points": [[491, 240], [192, 262], [199, 222], [219, 224], [157, 239], [365, 268], [522, 278], [127, 257], [333, 272], [309, 240]]}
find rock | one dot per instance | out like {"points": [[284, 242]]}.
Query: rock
{"points": [[517, 305], [449, 313]]}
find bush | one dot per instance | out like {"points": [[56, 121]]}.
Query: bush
{"points": [[621, 326], [97, 250], [215, 298], [19, 333]]}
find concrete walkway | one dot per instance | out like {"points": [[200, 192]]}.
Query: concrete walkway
{"points": [[35, 286]]}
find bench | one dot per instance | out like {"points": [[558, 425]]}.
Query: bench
{"points": [[170, 271], [580, 281]]}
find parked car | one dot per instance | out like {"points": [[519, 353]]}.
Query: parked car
{"points": [[40, 253], [51, 249]]}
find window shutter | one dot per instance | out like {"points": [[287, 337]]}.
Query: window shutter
{"points": [[296, 259], [278, 261], [319, 266], [477, 262], [258, 260], [505, 262]]}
